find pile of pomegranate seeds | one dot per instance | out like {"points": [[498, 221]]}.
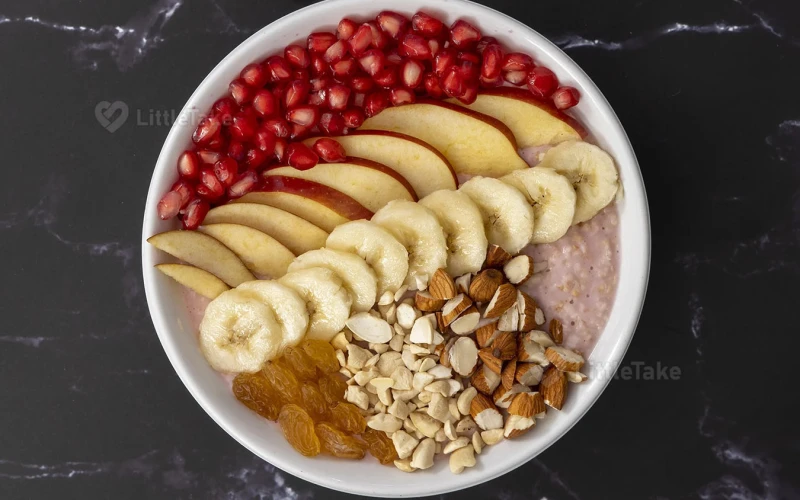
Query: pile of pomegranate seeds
{"points": [[329, 87]]}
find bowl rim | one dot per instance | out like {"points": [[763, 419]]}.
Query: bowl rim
{"points": [[633, 184]]}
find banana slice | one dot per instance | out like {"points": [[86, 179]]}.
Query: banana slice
{"points": [[552, 197], [591, 172], [418, 229], [357, 276], [288, 307], [507, 215], [327, 300], [387, 256], [239, 333], [463, 228]]}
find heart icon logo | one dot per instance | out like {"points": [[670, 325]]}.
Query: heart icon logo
{"points": [[105, 110]]}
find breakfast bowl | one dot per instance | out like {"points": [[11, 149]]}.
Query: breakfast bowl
{"points": [[177, 331]]}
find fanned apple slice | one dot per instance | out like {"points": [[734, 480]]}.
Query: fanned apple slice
{"points": [[357, 276], [287, 305], [295, 233], [462, 222], [202, 282], [205, 252], [261, 253], [474, 143], [327, 300]]}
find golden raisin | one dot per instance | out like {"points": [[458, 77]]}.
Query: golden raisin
{"points": [[348, 417], [380, 446], [298, 429], [283, 380], [332, 387], [302, 365], [255, 392], [339, 444], [313, 401], [322, 353]]}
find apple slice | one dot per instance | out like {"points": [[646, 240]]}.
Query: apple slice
{"points": [[205, 252], [474, 143], [260, 252], [425, 168], [202, 282], [295, 233], [533, 122], [318, 204], [368, 182]]}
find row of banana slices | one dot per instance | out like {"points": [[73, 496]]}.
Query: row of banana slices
{"points": [[404, 244]]}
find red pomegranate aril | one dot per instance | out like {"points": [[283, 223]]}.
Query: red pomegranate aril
{"points": [[329, 150], [169, 205], [243, 185], [255, 158], [265, 140], [319, 42], [226, 170], [277, 126], [319, 98], [393, 57], [296, 93], [464, 35], [209, 180], [346, 29], [338, 96], [217, 143], [243, 127], [361, 83], [414, 46], [297, 56], [280, 150], [331, 124], [427, 24], [542, 82], [353, 118], [469, 95], [432, 87], [236, 150], [279, 69], [489, 83], [189, 165], [484, 42], [469, 57], [360, 40], [515, 77], [320, 83], [185, 189], [411, 73], [452, 82], [372, 61], [392, 23], [225, 108], [318, 66], [358, 99], [387, 77], [300, 131], [400, 96], [195, 213], [491, 65], [469, 70], [566, 97], [307, 116], [443, 60], [301, 156], [435, 46], [345, 68], [279, 89], [301, 74], [335, 52], [265, 104], [208, 157], [517, 61], [206, 130], [375, 102], [240, 91], [255, 75], [379, 39]]}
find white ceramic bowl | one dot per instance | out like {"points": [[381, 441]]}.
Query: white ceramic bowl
{"points": [[367, 477]]}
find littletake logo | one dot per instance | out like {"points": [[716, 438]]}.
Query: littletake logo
{"points": [[105, 110]]}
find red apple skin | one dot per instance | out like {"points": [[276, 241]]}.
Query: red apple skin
{"points": [[335, 200]]}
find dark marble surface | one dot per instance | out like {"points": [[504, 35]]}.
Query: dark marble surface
{"points": [[708, 90]]}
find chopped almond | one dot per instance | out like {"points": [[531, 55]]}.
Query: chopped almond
{"points": [[557, 331], [496, 257], [508, 374], [485, 334], [504, 298], [490, 361], [427, 303], [553, 388], [485, 284], [519, 269], [564, 359], [454, 307], [442, 286]]}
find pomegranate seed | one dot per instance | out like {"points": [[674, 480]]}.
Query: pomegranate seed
{"points": [[375, 102], [236, 150], [206, 130], [469, 95], [353, 118], [169, 205], [469, 70], [372, 61], [489, 83], [393, 57], [491, 65], [453, 82], [542, 82], [189, 165], [330, 150], [307, 116], [318, 98], [427, 24], [411, 73], [195, 213], [515, 77], [338, 95], [346, 29], [296, 93], [485, 42], [264, 103], [208, 157], [255, 75], [296, 56], [243, 185], [226, 170], [344, 68], [379, 38], [566, 97], [277, 126], [299, 132], [470, 57], [400, 96], [243, 127], [301, 74], [335, 52], [301, 156], [320, 83], [280, 150], [434, 46], [265, 140], [319, 42], [217, 143], [225, 108], [360, 40], [387, 77], [209, 180], [392, 23], [361, 83], [240, 91], [358, 99], [432, 87], [319, 66], [464, 35], [279, 89], [443, 60], [185, 189], [332, 124], [415, 46], [278, 68], [517, 61], [255, 158]]}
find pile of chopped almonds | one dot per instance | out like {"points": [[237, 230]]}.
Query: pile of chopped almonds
{"points": [[458, 366]]}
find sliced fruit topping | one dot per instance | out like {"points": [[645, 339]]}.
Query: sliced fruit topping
{"points": [[202, 282], [329, 301], [287, 306], [358, 277], [261, 253], [552, 197]]}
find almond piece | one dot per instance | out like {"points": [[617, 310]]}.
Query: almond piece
{"points": [[539, 317], [576, 377], [556, 331], [496, 257], [541, 337], [518, 269], [529, 374], [422, 331], [463, 356], [503, 299], [516, 425], [539, 408], [502, 397], [509, 321], [553, 388], [485, 284], [490, 361], [530, 351], [522, 404], [444, 355], [386, 299], [370, 328], [485, 413], [425, 302], [508, 373], [466, 322], [564, 359], [485, 380], [454, 307], [504, 346], [442, 286], [440, 325], [463, 282], [527, 312], [485, 334]]}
